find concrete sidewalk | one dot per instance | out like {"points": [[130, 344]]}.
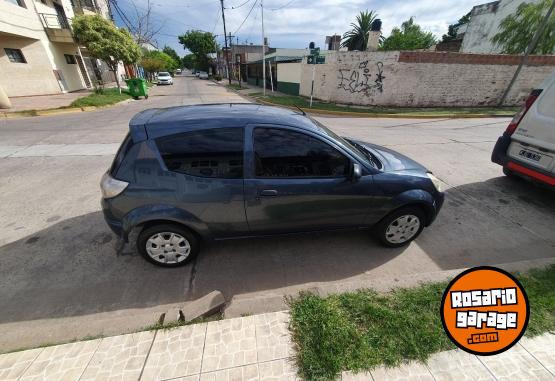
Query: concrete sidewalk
{"points": [[249, 348], [43, 102]]}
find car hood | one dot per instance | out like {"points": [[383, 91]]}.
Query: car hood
{"points": [[165, 78], [392, 160]]}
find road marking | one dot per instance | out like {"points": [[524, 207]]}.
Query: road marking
{"points": [[54, 150]]}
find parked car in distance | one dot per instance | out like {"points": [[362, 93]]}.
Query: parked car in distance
{"points": [[164, 78], [203, 75], [178, 71], [222, 171], [527, 147], [197, 73]]}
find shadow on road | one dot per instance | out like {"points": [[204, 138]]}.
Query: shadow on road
{"points": [[77, 267]]}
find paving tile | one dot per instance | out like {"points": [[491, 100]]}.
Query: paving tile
{"points": [[457, 365], [188, 378], [62, 362], [273, 339], [119, 357], [278, 370], [12, 365], [412, 371], [175, 353], [229, 343], [240, 373], [542, 348], [516, 364]]}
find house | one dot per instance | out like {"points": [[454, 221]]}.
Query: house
{"points": [[38, 54], [484, 25]]}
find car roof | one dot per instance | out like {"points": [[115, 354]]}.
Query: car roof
{"points": [[157, 122]]}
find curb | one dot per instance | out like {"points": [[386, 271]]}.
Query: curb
{"points": [[57, 111], [378, 115]]}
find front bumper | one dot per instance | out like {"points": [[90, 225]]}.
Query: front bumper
{"points": [[439, 198]]}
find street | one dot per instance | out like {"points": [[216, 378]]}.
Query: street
{"points": [[64, 275]]}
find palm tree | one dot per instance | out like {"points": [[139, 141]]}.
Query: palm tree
{"points": [[357, 37]]}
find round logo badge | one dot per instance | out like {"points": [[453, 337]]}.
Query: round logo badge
{"points": [[485, 310]]}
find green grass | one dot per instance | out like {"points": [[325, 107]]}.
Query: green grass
{"points": [[360, 330], [287, 100], [108, 97], [235, 86]]}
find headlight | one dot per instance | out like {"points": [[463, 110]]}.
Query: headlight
{"points": [[435, 181], [111, 187]]}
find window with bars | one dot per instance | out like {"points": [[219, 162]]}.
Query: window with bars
{"points": [[15, 55]]}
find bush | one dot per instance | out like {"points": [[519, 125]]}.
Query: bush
{"points": [[218, 77]]}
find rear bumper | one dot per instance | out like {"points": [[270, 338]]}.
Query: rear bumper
{"points": [[500, 157], [114, 224]]}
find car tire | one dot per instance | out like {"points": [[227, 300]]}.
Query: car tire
{"points": [[168, 245], [400, 227]]}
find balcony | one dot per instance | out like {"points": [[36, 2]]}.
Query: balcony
{"points": [[57, 27]]}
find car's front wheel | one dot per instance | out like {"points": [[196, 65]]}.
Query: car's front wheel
{"points": [[401, 226], [168, 245]]}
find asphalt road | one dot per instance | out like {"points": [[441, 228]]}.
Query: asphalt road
{"points": [[63, 274]]}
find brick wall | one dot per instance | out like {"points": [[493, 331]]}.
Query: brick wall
{"points": [[423, 79]]}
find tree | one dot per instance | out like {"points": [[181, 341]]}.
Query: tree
{"points": [[189, 61], [105, 41], [154, 61], [516, 30], [452, 30], [409, 37], [140, 24], [357, 37], [173, 54], [201, 44]]}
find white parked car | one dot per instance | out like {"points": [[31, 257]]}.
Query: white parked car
{"points": [[203, 75], [178, 71], [164, 78], [527, 147]]}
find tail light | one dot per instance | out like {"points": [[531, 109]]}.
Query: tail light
{"points": [[111, 187], [520, 114]]}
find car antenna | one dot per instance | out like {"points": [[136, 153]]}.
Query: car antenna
{"points": [[301, 110]]}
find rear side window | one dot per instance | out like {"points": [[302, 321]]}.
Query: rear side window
{"points": [[122, 151], [206, 153]]}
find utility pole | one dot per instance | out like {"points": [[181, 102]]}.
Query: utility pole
{"points": [[240, 60], [529, 49], [225, 43], [263, 51]]}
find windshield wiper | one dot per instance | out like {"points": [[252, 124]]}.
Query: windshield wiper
{"points": [[369, 155]]}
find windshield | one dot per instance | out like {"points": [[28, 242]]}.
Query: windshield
{"points": [[163, 74], [360, 152]]}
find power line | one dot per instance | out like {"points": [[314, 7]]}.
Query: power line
{"points": [[245, 19], [239, 6], [283, 6]]}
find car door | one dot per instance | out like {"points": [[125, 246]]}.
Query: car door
{"points": [[297, 181], [205, 175]]}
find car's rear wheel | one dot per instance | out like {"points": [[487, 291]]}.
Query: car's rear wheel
{"points": [[401, 226], [168, 245]]}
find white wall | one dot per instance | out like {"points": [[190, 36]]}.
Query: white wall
{"points": [[289, 72], [422, 79], [484, 24]]}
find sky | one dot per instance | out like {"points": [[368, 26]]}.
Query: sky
{"points": [[289, 23]]}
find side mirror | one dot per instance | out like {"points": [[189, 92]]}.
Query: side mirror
{"points": [[356, 172]]}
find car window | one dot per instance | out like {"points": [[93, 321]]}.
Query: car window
{"points": [[206, 153], [285, 153]]}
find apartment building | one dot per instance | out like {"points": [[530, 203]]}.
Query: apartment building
{"points": [[38, 54]]}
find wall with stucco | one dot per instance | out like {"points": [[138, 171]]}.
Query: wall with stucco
{"points": [[422, 79], [484, 24]]}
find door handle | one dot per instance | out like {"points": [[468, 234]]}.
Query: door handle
{"points": [[269, 192]]}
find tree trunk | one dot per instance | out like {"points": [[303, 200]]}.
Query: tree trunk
{"points": [[114, 69]]}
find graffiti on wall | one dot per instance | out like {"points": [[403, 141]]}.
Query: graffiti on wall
{"points": [[361, 79]]}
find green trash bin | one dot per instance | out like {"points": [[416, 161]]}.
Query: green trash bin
{"points": [[137, 87]]}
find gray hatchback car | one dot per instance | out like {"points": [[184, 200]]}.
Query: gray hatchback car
{"points": [[223, 171]]}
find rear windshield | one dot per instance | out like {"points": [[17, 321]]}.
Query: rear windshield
{"points": [[122, 151]]}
